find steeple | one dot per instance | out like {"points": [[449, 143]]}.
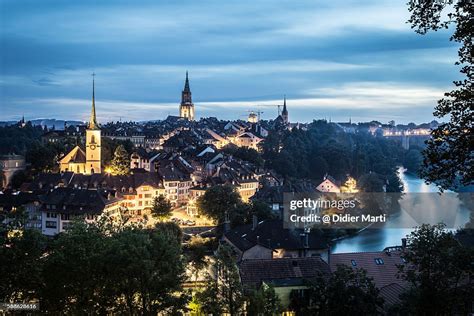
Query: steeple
{"points": [[186, 108], [93, 119], [284, 113], [186, 84], [186, 94]]}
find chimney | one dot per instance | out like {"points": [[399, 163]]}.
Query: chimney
{"points": [[254, 222], [404, 243]]}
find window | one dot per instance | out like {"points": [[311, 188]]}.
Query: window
{"points": [[51, 215], [378, 261], [354, 263], [65, 217], [51, 224]]}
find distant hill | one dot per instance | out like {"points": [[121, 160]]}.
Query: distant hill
{"points": [[50, 123]]}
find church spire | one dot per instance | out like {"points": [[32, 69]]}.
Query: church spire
{"points": [[284, 113], [186, 84], [93, 119], [186, 94], [186, 108]]}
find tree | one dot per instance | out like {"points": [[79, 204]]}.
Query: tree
{"points": [[413, 160], [162, 208], [223, 291], [264, 302], [218, 201], [196, 251], [120, 164], [74, 272], [448, 156], [244, 153], [347, 291], [21, 265], [42, 158], [439, 272], [371, 182], [18, 178], [146, 271], [109, 145], [96, 269]]}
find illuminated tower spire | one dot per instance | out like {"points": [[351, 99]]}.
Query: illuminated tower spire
{"points": [[93, 119], [186, 108]]}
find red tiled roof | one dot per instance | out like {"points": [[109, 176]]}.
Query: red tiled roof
{"points": [[383, 274]]}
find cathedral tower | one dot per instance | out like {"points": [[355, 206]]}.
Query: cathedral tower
{"points": [[93, 141], [186, 108]]}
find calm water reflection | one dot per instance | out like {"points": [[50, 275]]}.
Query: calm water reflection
{"points": [[390, 234]]}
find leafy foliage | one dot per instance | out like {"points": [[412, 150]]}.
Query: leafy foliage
{"points": [[93, 269], [221, 201], [439, 271], [346, 292], [413, 160], [120, 164], [218, 201], [21, 267], [223, 291], [15, 140], [264, 302], [325, 149], [449, 156], [161, 207], [244, 153], [108, 147]]}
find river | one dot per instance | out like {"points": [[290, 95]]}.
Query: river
{"points": [[401, 224]]}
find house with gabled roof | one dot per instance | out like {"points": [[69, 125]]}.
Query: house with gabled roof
{"points": [[269, 239], [284, 275], [381, 266]]}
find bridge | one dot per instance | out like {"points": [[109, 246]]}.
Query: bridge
{"points": [[409, 137]]}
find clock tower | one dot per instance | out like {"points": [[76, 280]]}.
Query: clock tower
{"points": [[186, 108], [93, 141]]}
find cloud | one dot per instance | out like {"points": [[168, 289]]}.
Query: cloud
{"points": [[362, 101], [329, 57]]}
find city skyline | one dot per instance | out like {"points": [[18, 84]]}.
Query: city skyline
{"points": [[366, 65]]}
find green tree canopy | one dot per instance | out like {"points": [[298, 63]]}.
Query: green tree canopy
{"points": [[120, 164], [218, 201], [223, 291], [264, 302], [347, 291], [161, 208], [439, 272], [448, 157]]}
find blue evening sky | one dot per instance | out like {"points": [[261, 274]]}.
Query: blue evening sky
{"points": [[333, 59]]}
